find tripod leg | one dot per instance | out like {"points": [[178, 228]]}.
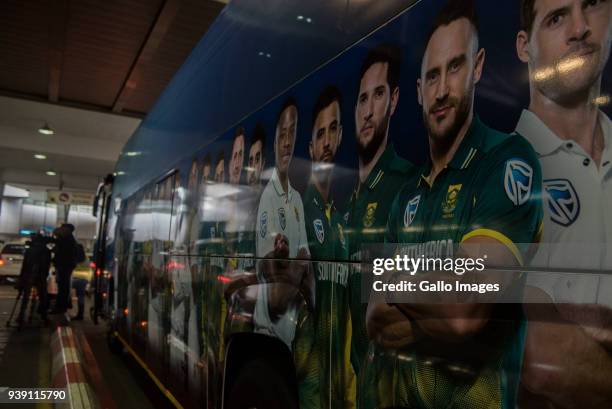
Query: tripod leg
{"points": [[8, 322]]}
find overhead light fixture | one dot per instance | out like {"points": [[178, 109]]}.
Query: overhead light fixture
{"points": [[133, 153], [40, 156], [46, 130], [50, 173]]}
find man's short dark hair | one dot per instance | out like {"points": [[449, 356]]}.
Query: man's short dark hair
{"points": [[384, 53], [259, 135], [528, 14], [329, 95], [239, 131], [452, 11], [69, 227], [290, 101], [220, 157], [207, 160]]}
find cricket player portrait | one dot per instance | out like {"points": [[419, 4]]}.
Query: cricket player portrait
{"points": [[565, 45], [478, 187]]}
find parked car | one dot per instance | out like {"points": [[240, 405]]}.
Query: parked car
{"points": [[11, 258], [84, 270]]}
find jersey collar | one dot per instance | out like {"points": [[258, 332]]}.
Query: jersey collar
{"points": [[313, 195], [471, 143], [606, 129], [279, 188], [386, 161], [543, 140]]}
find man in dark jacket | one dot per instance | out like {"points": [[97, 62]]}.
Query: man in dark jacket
{"points": [[34, 271], [65, 262]]}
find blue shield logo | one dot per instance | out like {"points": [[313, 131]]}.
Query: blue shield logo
{"points": [[411, 209], [517, 181], [563, 201], [319, 230], [281, 218]]}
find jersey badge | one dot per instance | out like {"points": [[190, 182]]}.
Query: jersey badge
{"points": [[368, 218], [263, 224], [517, 181], [450, 202], [319, 230], [563, 201], [411, 210], [282, 218]]}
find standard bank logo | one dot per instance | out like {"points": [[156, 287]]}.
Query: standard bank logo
{"points": [[563, 201], [517, 181], [319, 231], [411, 209]]}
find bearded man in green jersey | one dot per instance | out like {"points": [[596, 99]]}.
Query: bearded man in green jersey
{"points": [[330, 368], [479, 187], [381, 173]]}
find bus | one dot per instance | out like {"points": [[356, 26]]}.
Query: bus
{"points": [[302, 141]]}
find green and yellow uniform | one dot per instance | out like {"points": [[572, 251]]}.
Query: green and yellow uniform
{"points": [[330, 370], [365, 223], [211, 248], [490, 188], [241, 245]]}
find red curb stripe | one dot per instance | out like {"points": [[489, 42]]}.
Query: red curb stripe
{"points": [[93, 370]]}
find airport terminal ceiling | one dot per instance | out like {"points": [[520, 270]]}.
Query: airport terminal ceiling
{"points": [[90, 71]]}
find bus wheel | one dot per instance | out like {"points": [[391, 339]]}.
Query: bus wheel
{"points": [[260, 385]]}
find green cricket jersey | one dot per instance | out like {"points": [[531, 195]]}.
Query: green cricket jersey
{"points": [[491, 188], [331, 338], [366, 220]]}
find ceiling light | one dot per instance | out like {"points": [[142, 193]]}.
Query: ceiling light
{"points": [[40, 156], [300, 18], [46, 130], [50, 173], [133, 153], [309, 20]]}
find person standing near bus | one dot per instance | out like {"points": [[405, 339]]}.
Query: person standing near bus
{"points": [[381, 174], [331, 370], [566, 46], [65, 260], [281, 234], [478, 194]]}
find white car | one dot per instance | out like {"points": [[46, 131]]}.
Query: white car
{"points": [[11, 258]]}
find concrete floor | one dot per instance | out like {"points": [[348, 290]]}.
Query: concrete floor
{"points": [[25, 361]]}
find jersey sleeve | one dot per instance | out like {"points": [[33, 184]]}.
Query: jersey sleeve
{"points": [[507, 205]]}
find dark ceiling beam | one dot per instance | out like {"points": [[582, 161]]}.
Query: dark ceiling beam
{"points": [[156, 35], [70, 104], [58, 12]]}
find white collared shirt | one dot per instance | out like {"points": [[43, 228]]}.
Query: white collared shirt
{"points": [[577, 213], [280, 212], [283, 213]]}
